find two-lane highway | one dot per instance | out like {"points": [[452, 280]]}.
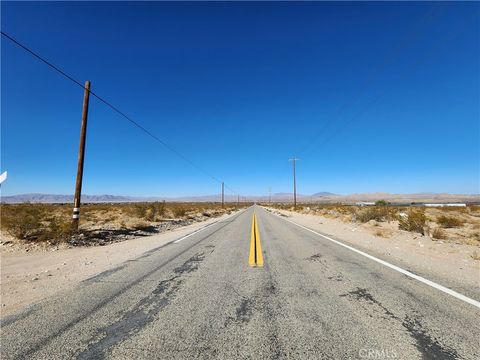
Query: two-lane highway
{"points": [[301, 297]]}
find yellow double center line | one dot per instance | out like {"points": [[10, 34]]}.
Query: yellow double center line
{"points": [[256, 257]]}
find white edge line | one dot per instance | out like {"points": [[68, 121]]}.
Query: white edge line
{"points": [[195, 232], [205, 227], [394, 267]]}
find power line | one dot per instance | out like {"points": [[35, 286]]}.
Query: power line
{"points": [[43, 60], [116, 109], [384, 91], [400, 47]]}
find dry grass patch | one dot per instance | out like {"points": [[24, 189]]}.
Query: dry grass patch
{"points": [[439, 234], [449, 221], [415, 221], [378, 213], [368, 214], [476, 236]]}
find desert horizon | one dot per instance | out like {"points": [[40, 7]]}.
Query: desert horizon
{"points": [[275, 197]]}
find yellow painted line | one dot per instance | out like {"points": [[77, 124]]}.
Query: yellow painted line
{"points": [[255, 257], [251, 257], [258, 247]]}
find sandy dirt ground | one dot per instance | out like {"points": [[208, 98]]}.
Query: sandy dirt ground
{"points": [[28, 277], [441, 260]]}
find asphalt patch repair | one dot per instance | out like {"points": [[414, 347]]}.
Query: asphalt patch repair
{"points": [[428, 345], [143, 313]]}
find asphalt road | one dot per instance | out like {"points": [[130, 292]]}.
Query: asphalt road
{"points": [[199, 298]]}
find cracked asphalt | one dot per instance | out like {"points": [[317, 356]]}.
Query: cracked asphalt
{"points": [[199, 299]]}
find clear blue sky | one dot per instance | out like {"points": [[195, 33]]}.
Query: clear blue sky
{"points": [[239, 88]]}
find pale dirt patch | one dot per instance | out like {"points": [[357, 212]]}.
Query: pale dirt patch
{"points": [[28, 277], [452, 261]]}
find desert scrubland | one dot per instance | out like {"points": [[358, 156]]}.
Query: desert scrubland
{"points": [[41, 226], [41, 256], [441, 243]]}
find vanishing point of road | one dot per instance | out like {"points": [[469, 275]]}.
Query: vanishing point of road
{"points": [[247, 287]]}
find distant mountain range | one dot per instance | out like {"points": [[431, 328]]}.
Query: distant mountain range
{"points": [[277, 197]]}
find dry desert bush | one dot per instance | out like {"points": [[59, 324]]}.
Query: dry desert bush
{"points": [[378, 213], [414, 221], [51, 223], [35, 222], [439, 234], [453, 224], [449, 221]]}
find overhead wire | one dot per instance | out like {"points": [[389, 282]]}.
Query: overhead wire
{"points": [[117, 110], [384, 91], [428, 16]]}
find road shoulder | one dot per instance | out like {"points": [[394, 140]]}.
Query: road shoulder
{"points": [[27, 278], [447, 263]]}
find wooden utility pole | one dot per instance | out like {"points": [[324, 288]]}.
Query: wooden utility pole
{"points": [[223, 194], [294, 160], [238, 201], [81, 157]]}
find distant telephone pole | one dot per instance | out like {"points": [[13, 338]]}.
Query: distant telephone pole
{"points": [[270, 196], [294, 160], [81, 157], [223, 194], [238, 201]]}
